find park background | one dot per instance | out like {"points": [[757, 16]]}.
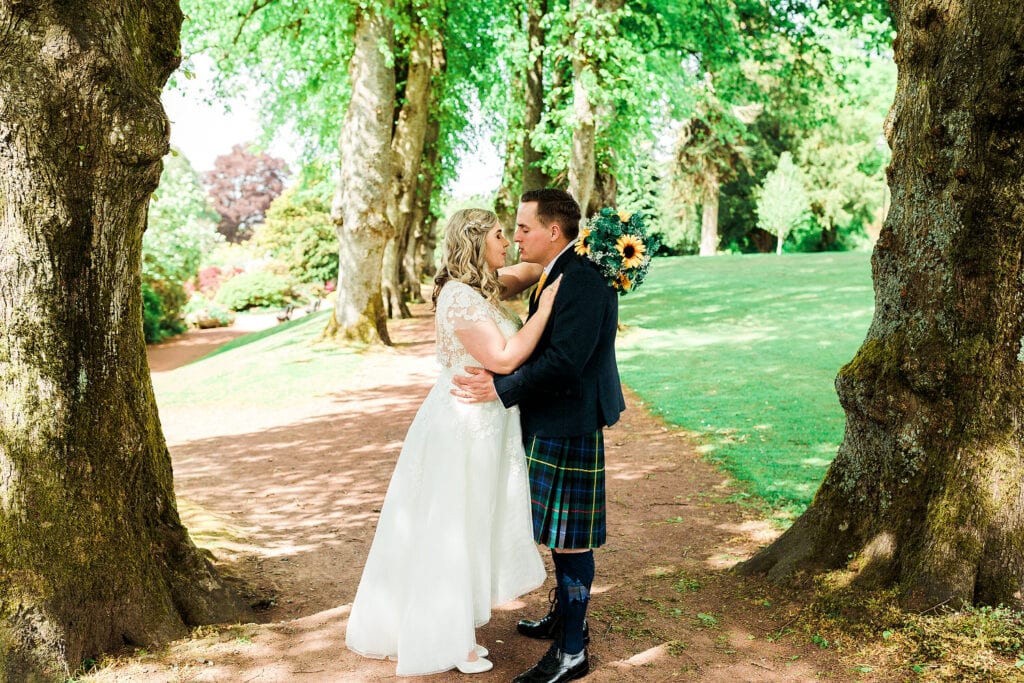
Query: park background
{"points": [[752, 138]]}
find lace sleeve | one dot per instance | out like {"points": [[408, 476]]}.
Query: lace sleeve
{"points": [[461, 306]]}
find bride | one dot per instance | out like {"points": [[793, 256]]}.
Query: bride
{"points": [[455, 535]]}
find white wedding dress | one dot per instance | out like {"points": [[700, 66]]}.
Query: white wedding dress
{"points": [[454, 535]]}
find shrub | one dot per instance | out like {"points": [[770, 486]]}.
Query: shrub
{"points": [[253, 290], [299, 232], [202, 313], [162, 303], [209, 279], [152, 314]]}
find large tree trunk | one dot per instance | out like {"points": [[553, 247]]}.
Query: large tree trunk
{"points": [[419, 252], [927, 489], [606, 192], [406, 160], [709, 217], [582, 166], [93, 554], [534, 177], [585, 67], [422, 232], [506, 201], [360, 203]]}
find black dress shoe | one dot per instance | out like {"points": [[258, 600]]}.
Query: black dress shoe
{"points": [[556, 667], [545, 628], [548, 627]]}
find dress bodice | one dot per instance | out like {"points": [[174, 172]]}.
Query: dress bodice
{"points": [[459, 306]]}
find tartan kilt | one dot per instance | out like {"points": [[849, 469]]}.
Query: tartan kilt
{"points": [[567, 490]]}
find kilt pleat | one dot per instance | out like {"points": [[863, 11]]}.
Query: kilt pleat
{"points": [[567, 496]]}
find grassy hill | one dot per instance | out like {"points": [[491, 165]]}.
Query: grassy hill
{"points": [[743, 351], [275, 367], [740, 350]]}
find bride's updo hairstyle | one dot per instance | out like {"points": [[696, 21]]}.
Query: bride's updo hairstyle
{"points": [[464, 258]]}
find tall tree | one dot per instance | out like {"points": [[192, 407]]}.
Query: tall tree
{"points": [[242, 185], [532, 82], [783, 204], [425, 55], [299, 51], [595, 23], [360, 202], [92, 552], [927, 489], [712, 149]]}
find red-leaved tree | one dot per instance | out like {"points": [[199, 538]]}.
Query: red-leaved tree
{"points": [[241, 185]]}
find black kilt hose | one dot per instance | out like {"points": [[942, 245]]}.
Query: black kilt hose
{"points": [[567, 490]]}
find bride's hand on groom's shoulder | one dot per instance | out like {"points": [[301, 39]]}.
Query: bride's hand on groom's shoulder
{"points": [[477, 386], [547, 297]]}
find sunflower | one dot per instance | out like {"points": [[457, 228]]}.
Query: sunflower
{"points": [[632, 250], [624, 216], [623, 282], [582, 248]]}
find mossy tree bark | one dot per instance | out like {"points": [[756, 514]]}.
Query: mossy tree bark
{"points": [[927, 490], [709, 214], [407, 147], [419, 252], [534, 177], [587, 112], [92, 552], [360, 202]]}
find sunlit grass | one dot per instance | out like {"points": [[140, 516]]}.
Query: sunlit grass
{"points": [[743, 351], [271, 368]]}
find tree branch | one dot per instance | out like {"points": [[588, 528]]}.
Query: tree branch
{"points": [[256, 7]]}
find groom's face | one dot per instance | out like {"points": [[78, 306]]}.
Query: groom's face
{"points": [[535, 239]]}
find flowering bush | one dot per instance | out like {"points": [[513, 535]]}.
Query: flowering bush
{"points": [[620, 246], [209, 279]]}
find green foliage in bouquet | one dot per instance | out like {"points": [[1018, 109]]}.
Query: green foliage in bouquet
{"points": [[619, 244]]}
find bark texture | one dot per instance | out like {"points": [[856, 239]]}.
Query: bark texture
{"points": [[585, 106], [419, 252], [406, 159], [534, 177], [927, 489], [360, 203], [582, 166], [92, 552], [709, 216]]}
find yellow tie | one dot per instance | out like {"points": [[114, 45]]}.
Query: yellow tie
{"points": [[540, 285]]}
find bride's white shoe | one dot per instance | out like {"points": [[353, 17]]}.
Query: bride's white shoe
{"points": [[480, 650], [475, 667]]}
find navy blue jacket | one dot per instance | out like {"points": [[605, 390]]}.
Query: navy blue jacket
{"points": [[570, 385]]}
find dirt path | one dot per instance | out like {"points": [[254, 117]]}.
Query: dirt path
{"points": [[287, 501]]}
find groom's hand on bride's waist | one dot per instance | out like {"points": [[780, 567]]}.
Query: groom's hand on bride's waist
{"points": [[477, 386]]}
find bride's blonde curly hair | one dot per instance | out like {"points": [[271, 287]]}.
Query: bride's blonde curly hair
{"points": [[465, 249]]}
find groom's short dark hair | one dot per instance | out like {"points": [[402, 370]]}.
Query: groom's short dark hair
{"points": [[556, 206]]}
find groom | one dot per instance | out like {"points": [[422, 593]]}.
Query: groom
{"points": [[567, 392]]}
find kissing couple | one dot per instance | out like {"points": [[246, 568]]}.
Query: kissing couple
{"points": [[506, 452]]}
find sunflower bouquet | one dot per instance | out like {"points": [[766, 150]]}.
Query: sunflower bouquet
{"points": [[619, 244]]}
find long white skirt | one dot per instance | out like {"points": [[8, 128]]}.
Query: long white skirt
{"points": [[454, 537]]}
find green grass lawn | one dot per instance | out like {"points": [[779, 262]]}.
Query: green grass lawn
{"points": [[271, 368], [743, 351]]}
